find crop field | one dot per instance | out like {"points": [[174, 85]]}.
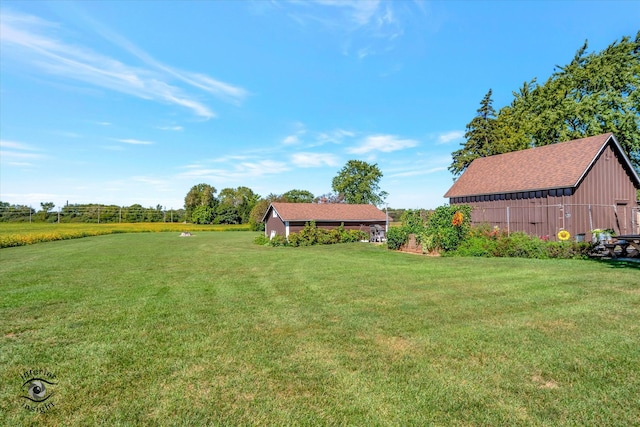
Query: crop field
{"points": [[20, 234], [156, 329]]}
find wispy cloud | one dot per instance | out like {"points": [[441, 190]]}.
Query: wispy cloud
{"points": [[313, 160], [172, 128], [366, 26], [448, 137], [238, 171], [41, 45], [135, 141], [334, 137], [294, 138], [18, 150], [16, 145], [383, 143], [418, 172]]}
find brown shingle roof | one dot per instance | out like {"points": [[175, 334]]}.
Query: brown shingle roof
{"points": [[327, 212], [559, 165]]}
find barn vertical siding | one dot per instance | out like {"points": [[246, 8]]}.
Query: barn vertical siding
{"points": [[274, 223], [605, 198]]}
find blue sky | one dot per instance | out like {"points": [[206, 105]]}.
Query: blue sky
{"points": [[123, 102]]}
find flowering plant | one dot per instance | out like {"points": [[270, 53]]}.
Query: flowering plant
{"points": [[564, 235], [458, 219]]}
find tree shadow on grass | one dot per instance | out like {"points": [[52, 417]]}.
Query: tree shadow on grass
{"points": [[619, 262]]}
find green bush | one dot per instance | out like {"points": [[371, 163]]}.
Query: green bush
{"points": [[312, 235], [261, 240], [396, 237], [441, 233], [496, 243], [278, 240]]}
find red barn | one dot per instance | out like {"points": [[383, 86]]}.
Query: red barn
{"points": [[285, 218], [578, 186]]}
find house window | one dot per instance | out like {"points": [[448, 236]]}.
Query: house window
{"points": [[275, 214], [273, 234]]}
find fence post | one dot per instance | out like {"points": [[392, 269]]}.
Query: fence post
{"points": [[508, 221]]}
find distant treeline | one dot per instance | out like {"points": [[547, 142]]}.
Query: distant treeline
{"points": [[92, 213], [108, 214]]}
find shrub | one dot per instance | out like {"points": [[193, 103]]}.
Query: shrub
{"points": [[396, 237], [278, 240], [261, 240], [496, 243], [312, 235], [446, 228]]}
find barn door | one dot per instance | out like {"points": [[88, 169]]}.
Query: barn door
{"points": [[621, 218]]}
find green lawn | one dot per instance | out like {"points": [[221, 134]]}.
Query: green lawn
{"points": [[154, 329]]}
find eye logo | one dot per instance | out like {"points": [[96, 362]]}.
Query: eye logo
{"points": [[38, 388]]}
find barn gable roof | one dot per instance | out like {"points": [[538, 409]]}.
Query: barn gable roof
{"points": [[341, 212], [561, 165]]}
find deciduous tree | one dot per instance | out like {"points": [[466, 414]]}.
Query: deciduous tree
{"points": [[358, 182], [200, 195], [298, 196]]}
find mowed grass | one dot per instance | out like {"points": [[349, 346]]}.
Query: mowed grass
{"points": [[154, 329]]}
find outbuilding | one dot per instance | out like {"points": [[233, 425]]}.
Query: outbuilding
{"points": [[577, 186], [285, 218]]}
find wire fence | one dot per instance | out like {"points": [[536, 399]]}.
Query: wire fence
{"points": [[95, 213], [548, 220]]}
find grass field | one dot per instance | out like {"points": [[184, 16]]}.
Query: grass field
{"points": [[21, 234], [154, 329]]}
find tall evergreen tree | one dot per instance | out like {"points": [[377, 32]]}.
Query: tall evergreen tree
{"points": [[480, 137], [594, 93]]}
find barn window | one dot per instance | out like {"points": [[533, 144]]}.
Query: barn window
{"points": [[538, 194], [567, 191], [552, 192]]}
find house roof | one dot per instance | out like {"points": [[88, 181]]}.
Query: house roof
{"points": [[326, 212], [561, 165]]}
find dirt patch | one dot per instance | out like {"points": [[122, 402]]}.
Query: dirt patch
{"points": [[543, 383]]}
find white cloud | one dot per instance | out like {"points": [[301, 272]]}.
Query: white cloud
{"points": [[418, 172], [291, 140], [237, 171], [451, 136], [366, 27], [18, 150], [16, 145], [383, 143], [172, 128], [312, 160], [334, 137], [36, 42], [134, 141]]}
